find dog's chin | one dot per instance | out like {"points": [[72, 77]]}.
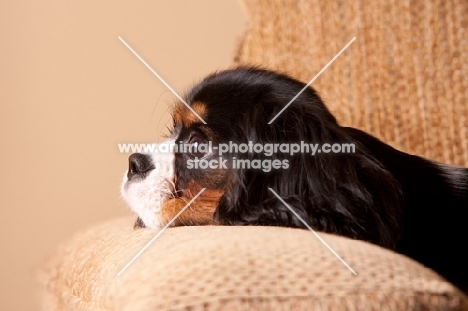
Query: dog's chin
{"points": [[145, 195], [145, 198]]}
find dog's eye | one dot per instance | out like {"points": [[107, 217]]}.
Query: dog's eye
{"points": [[196, 140]]}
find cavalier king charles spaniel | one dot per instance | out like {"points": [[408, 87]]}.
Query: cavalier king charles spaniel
{"points": [[373, 192]]}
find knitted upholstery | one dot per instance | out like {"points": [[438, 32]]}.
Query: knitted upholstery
{"points": [[404, 79], [235, 268]]}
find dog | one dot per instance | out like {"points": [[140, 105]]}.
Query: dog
{"points": [[402, 202]]}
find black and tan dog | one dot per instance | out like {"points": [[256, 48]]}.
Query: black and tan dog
{"points": [[378, 194]]}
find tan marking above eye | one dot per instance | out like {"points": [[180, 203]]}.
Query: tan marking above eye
{"points": [[186, 116]]}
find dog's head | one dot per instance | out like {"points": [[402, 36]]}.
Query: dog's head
{"points": [[344, 193]]}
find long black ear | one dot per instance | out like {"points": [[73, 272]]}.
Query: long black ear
{"points": [[350, 194]]}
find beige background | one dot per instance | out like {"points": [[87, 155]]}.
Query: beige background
{"points": [[69, 92]]}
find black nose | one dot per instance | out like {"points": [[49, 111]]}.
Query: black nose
{"points": [[139, 165]]}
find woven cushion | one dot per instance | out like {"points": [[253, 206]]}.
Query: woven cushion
{"points": [[234, 268], [404, 79]]}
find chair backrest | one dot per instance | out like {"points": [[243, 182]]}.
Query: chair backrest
{"points": [[404, 79]]}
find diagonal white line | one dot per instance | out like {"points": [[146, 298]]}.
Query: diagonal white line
{"points": [[313, 79], [313, 231], [161, 79], [159, 233]]}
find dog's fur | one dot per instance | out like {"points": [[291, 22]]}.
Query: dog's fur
{"points": [[378, 194]]}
